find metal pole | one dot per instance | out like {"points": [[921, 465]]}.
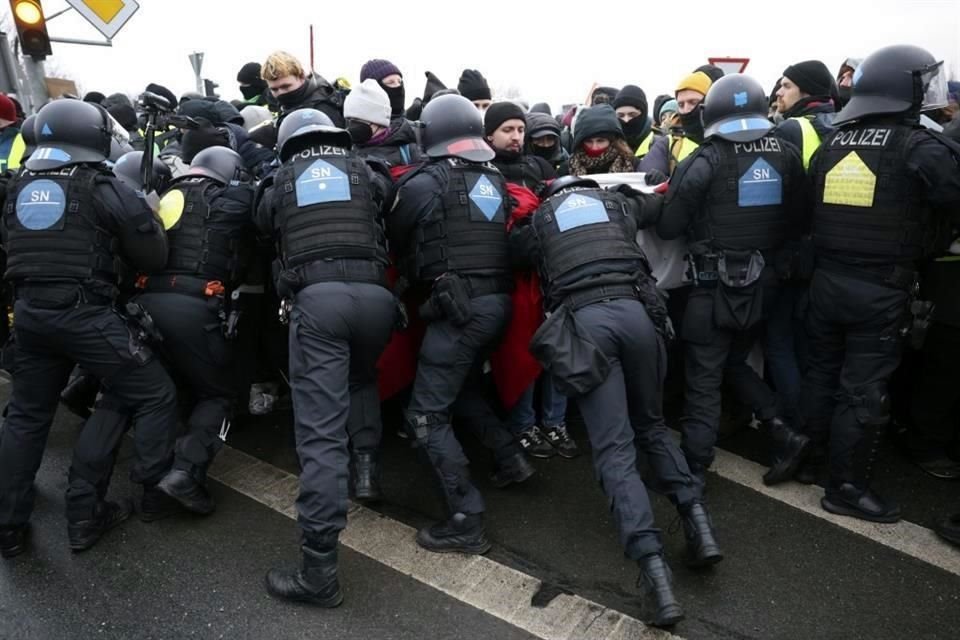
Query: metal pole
{"points": [[312, 67], [96, 43], [34, 75]]}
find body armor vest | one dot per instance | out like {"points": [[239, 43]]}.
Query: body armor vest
{"points": [[52, 229]]}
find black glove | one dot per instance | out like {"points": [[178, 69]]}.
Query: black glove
{"points": [[655, 176]]}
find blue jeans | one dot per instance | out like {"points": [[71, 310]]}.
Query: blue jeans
{"points": [[553, 407], [785, 348]]}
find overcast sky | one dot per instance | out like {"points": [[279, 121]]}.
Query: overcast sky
{"points": [[547, 53]]}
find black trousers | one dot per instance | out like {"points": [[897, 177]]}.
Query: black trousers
{"points": [[49, 342]]}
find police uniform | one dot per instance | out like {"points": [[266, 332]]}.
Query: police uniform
{"points": [[583, 241], [66, 224], [322, 207], [210, 231], [879, 183], [448, 227], [735, 199]]}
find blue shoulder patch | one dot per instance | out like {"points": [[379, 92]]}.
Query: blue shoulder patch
{"points": [[40, 205], [320, 183], [577, 211], [486, 197], [760, 186]]}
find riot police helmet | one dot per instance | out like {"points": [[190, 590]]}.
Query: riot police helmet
{"points": [[899, 79], [453, 127], [735, 109], [127, 170], [217, 163], [70, 132], [29, 132], [306, 127], [567, 183]]}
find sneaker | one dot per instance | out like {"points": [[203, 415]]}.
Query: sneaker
{"points": [[534, 445], [560, 439]]}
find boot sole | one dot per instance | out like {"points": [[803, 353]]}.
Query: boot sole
{"points": [[88, 543], [715, 557], [474, 550], [186, 502], [844, 510], [672, 618], [540, 455], [786, 470]]}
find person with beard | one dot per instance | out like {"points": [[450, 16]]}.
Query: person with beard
{"points": [[683, 139], [294, 89], [375, 136], [598, 144], [252, 86], [805, 100], [390, 79], [632, 110], [504, 127], [543, 138], [805, 103], [474, 87]]}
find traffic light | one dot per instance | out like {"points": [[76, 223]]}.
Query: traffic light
{"points": [[31, 28], [210, 88]]}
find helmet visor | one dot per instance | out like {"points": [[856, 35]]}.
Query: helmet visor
{"points": [[933, 84]]}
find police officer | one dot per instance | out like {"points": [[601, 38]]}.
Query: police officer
{"points": [[66, 224], [448, 228], [583, 241], [881, 183], [207, 214], [323, 206], [735, 198]]}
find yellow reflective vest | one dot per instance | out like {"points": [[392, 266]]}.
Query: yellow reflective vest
{"points": [[680, 147], [644, 147], [811, 140]]}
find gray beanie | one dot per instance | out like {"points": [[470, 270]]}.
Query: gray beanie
{"points": [[368, 102]]}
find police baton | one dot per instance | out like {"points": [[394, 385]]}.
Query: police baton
{"points": [[153, 105]]}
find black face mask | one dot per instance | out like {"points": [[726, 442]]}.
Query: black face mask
{"points": [[546, 153], [295, 97], [845, 94], [397, 98], [253, 90], [692, 126], [360, 132], [634, 130]]}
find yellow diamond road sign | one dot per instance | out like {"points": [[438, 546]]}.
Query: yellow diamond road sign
{"points": [[108, 16]]}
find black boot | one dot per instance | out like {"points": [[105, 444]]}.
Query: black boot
{"points": [[460, 534], [13, 540], [655, 582], [849, 500], [702, 547], [366, 476], [811, 469], [314, 583], [512, 470], [787, 450], [156, 505], [83, 534], [185, 489]]}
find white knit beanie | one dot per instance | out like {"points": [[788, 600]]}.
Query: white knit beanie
{"points": [[368, 102]]}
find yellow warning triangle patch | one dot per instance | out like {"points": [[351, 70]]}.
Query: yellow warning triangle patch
{"points": [[171, 208], [850, 183]]}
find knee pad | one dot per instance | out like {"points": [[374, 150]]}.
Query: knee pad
{"points": [[871, 405]]}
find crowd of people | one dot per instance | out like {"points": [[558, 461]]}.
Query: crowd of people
{"points": [[600, 255]]}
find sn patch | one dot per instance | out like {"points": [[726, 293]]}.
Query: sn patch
{"points": [[577, 211], [41, 205], [760, 186], [486, 197], [320, 183]]}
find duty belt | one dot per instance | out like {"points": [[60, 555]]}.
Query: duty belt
{"points": [[61, 295], [342, 270], [176, 283], [486, 286], [895, 275], [579, 299]]}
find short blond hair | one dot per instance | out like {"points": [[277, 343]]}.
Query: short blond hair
{"points": [[280, 64]]}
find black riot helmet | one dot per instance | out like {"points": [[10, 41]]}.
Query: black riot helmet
{"points": [[217, 163], [127, 169], [899, 79], [453, 126], [70, 132], [29, 133], [566, 183], [308, 127], [735, 109]]}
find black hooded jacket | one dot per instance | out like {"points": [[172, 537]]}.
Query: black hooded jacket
{"points": [[315, 93]]}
